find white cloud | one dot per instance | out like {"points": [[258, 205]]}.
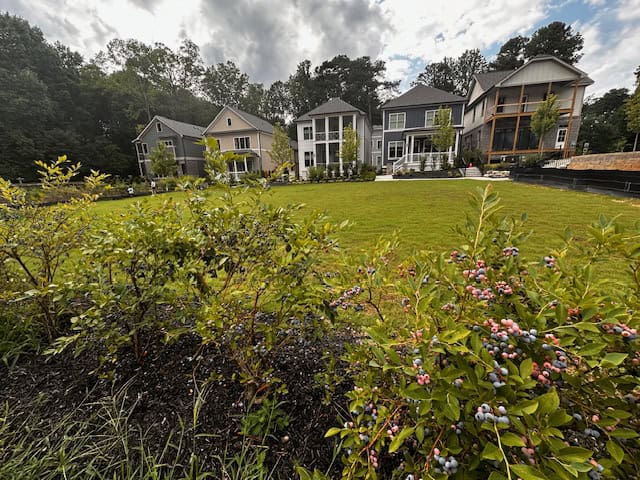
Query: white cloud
{"points": [[611, 51], [267, 38]]}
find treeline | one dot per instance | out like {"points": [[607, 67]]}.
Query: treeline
{"points": [[53, 101]]}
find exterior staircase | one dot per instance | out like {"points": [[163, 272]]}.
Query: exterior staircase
{"points": [[471, 172]]}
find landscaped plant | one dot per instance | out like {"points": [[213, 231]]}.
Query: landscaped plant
{"points": [[444, 137], [350, 149], [36, 243], [259, 283], [163, 161], [316, 174], [544, 119], [480, 364], [132, 281]]}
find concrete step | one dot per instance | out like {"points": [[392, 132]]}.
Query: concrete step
{"points": [[384, 178], [471, 172]]}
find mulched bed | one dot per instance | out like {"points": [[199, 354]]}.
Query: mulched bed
{"points": [[161, 392]]}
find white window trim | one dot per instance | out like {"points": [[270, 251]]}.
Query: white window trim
{"points": [[394, 143], [236, 143], [560, 130], [397, 114], [168, 143], [304, 129], [158, 127], [311, 164], [426, 116], [228, 121], [145, 148], [378, 144]]}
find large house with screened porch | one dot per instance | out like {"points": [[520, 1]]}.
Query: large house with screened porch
{"points": [[409, 125], [181, 140], [500, 106]]}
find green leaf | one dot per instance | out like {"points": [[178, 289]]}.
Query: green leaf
{"points": [[332, 431], [396, 443], [613, 359], [616, 452], [527, 473], [511, 440], [549, 402], [452, 409], [574, 454], [526, 368], [623, 433], [491, 452]]}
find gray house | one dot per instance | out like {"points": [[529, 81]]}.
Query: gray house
{"points": [[181, 140], [409, 124]]}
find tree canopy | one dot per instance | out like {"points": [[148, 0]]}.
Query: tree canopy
{"points": [[453, 75]]}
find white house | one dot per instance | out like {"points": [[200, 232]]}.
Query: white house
{"points": [[320, 135]]}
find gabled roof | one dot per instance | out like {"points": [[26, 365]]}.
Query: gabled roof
{"points": [[487, 80], [423, 95], [256, 122], [333, 105], [181, 128]]}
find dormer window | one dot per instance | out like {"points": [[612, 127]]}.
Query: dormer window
{"points": [[158, 127], [228, 121]]}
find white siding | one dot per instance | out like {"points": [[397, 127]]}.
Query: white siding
{"points": [[476, 92], [303, 146], [542, 71]]}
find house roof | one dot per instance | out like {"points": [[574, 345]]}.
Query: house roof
{"points": [[256, 122], [181, 128], [423, 95], [487, 80], [333, 105]]}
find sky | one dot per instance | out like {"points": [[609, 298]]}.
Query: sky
{"points": [[268, 38]]}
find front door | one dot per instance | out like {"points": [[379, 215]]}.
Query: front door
{"points": [[561, 138]]}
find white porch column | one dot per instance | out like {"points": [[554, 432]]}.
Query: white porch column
{"points": [[406, 145], [245, 165], [326, 142], [411, 147], [456, 151], [340, 139]]}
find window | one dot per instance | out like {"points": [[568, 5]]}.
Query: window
{"points": [[474, 114], [228, 121], [525, 99], [378, 159], [396, 149], [562, 136], [378, 144], [308, 159], [500, 106], [396, 121], [158, 127], [307, 133], [241, 143], [429, 118], [168, 143], [145, 149]]}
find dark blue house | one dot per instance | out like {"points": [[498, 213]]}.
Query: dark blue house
{"points": [[409, 124]]}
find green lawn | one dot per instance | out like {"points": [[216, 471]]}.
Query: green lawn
{"points": [[424, 212]]}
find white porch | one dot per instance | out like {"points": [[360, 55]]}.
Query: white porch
{"points": [[420, 154]]}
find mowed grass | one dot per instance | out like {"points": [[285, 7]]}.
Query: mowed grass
{"points": [[424, 213]]}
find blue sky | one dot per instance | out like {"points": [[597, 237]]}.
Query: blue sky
{"points": [[267, 38]]}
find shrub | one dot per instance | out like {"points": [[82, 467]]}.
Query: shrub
{"points": [[133, 278], [36, 242], [257, 282], [479, 364], [316, 174], [368, 172]]}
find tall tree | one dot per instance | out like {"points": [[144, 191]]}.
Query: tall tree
{"points": [[632, 111], [453, 74], [225, 84], [303, 95], [277, 102], [439, 75], [544, 119], [253, 99], [604, 126], [556, 39], [511, 54]]}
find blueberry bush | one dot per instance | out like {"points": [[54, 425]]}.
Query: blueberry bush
{"points": [[482, 364]]}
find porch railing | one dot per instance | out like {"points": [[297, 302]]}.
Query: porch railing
{"points": [[423, 161], [513, 108]]}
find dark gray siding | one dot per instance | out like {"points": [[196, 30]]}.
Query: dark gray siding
{"points": [[415, 115], [389, 137], [151, 137]]}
